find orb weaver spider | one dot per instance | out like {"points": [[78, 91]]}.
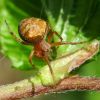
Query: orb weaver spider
{"points": [[33, 31]]}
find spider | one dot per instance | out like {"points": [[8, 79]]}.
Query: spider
{"points": [[34, 31]]}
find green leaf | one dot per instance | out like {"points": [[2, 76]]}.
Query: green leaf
{"points": [[65, 65], [13, 12], [74, 20]]}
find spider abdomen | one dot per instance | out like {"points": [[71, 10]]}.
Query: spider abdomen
{"points": [[32, 29]]}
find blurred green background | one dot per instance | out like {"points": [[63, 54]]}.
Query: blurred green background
{"points": [[75, 20]]}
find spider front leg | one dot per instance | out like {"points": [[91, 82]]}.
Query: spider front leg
{"points": [[64, 43], [30, 58], [50, 68], [51, 35], [14, 36]]}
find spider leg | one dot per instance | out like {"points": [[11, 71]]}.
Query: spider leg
{"points": [[30, 58], [51, 35], [64, 43], [14, 36], [50, 68]]}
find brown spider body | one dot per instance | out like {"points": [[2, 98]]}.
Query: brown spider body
{"points": [[33, 31]]}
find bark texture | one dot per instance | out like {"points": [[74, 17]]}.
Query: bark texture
{"points": [[69, 83]]}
